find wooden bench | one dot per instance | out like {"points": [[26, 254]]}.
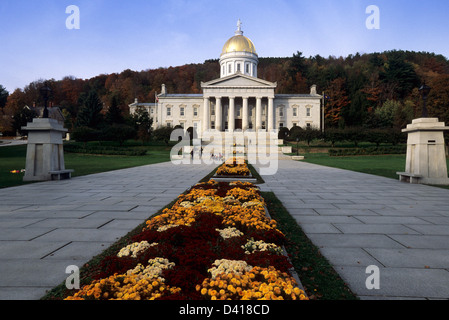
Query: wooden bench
{"points": [[409, 177], [61, 174]]}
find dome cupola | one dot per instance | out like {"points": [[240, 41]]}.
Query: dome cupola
{"points": [[239, 55]]}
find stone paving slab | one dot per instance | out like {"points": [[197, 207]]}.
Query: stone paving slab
{"points": [[47, 226], [358, 220]]}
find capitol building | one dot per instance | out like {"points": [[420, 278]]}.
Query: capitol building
{"points": [[237, 101]]}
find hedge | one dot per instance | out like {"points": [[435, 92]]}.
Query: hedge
{"points": [[104, 150], [367, 151]]}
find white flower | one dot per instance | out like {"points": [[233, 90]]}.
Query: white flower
{"points": [[134, 249], [229, 232], [260, 245], [229, 266], [154, 269], [166, 227]]}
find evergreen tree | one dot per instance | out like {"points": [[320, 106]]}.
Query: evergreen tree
{"points": [[114, 113], [90, 112], [3, 96]]}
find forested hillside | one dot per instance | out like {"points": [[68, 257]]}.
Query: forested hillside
{"points": [[370, 90]]}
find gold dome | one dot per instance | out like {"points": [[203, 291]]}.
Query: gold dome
{"points": [[239, 43]]}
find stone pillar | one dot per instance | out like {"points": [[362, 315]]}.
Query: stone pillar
{"points": [[231, 114], [206, 114], [218, 114], [270, 125], [258, 114], [45, 153], [426, 157], [245, 123]]}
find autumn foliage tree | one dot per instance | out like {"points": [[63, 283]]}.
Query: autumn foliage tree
{"points": [[357, 85]]}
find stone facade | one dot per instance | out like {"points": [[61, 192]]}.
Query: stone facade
{"points": [[237, 101]]}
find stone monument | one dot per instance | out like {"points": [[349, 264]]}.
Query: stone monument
{"points": [[45, 154], [426, 156]]}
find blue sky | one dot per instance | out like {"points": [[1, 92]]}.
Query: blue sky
{"points": [[146, 34]]}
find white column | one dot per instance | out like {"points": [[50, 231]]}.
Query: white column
{"points": [[245, 123], [218, 114], [231, 114], [206, 115], [258, 114], [270, 125]]}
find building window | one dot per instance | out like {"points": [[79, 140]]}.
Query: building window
{"points": [[281, 124], [181, 124], [212, 124], [168, 124], [281, 111], [263, 125], [295, 112], [224, 70], [238, 111], [168, 111], [212, 111], [250, 125], [229, 68], [181, 111], [308, 112], [226, 125], [309, 125], [195, 112], [295, 124], [238, 67], [247, 68]]}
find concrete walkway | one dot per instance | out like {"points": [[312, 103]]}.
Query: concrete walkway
{"points": [[45, 227], [358, 220]]}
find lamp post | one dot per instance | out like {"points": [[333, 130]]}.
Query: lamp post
{"points": [[297, 145], [425, 90], [45, 92]]}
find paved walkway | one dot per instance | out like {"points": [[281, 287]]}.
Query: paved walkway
{"points": [[45, 227], [355, 219], [358, 220]]}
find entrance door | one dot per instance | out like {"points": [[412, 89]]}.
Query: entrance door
{"points": [[238, 124]]}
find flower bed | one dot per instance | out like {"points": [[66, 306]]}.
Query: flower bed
{"points": [[234, 167], [215, 242]]}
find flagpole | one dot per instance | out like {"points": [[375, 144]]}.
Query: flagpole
{"points": [[324, 101]]}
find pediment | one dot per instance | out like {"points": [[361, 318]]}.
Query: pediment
{"points": [[239, 80]]}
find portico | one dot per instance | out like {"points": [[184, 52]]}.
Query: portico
{"points": [[238, 102]]}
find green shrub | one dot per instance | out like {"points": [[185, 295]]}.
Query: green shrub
{"points": [[85, 134], [104, 150], [118, 132], [367, 151]]}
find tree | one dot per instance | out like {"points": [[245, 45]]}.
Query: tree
{"points": [[143, 124], [21, 118], [309, 134], [114, 113], [338, 100], [90, 113], [3, 97], [163, 134], [400, 75]]}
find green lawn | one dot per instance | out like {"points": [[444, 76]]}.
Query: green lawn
{"points": [[13, 158], [383, 165]]}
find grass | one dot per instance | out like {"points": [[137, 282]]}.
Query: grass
{"points": [[317, 275], [13, 158], [382, 165]]}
